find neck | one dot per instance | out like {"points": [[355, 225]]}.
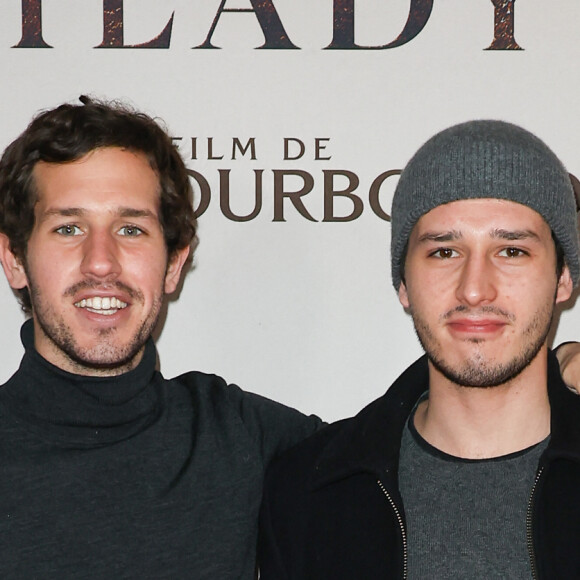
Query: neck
{"points": [[477, 423]]}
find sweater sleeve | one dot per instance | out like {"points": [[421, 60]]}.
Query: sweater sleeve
{"points": [[275, 427], [271, 426]]}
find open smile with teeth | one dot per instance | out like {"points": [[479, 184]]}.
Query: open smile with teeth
{"points": [[103, 305]]}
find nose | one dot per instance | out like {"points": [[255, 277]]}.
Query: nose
{"points": [[476, 284], [100, 258]]}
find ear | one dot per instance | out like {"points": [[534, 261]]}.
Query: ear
{"points": [[565, 286], [403, 296], [13, 269], [176, 263]]}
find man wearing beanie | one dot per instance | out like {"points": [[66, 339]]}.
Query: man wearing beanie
{"points": [[469, 466]]}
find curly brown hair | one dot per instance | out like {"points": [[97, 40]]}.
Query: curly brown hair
{"points": [[69, 132]]}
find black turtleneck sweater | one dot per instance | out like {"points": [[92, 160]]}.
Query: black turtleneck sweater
{"points": [[134, 476]]}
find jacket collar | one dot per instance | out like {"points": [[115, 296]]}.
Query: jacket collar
{"points": [[370, 441]]}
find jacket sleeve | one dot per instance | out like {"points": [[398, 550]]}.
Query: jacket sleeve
{"points": [[270, 558], [287, 511], [283, 516]]}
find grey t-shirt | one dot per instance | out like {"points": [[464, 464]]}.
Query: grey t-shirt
{"points": [[466, 519]]}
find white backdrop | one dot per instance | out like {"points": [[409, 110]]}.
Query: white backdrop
{"points": [[301, 311]]}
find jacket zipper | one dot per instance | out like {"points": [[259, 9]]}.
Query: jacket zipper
{"points": [[401, 525], [530, 540]]}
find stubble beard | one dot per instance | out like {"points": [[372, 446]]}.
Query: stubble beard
{"points": [[479, 371], [107, 357]]}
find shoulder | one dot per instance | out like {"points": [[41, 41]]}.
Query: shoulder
{"points": [[206, 387], [274, 427], [300, 462], [214, 392], [291, 478]]}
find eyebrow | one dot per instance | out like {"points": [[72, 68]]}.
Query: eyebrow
{"points": [[514, 235], [498, 234], [124, 212], [449, 236]]}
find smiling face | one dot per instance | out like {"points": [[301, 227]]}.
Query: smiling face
{"points": [[96, 262], [481, 284]]}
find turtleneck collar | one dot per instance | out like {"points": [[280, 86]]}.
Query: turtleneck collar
{"points": [[78, 410]]}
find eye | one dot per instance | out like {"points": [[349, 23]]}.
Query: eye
{"points": [[130, 231], [512, 253], [69, 230], [443, 253]]}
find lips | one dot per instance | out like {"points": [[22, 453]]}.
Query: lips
{"points": [[476, 325]]}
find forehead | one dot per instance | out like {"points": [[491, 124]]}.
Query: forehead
{"points": [[481, 215], [103, 176]]}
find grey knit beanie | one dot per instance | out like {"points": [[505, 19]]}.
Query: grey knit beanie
{"points": [[485, 159]]}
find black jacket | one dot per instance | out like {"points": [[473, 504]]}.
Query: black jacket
{"points": [[332, 508]]}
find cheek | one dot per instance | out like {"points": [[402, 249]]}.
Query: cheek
{"points": [[41, 273], [50, 261], [146, 271], [532, 289], [424, 303], [424, 275], [430, 287]]}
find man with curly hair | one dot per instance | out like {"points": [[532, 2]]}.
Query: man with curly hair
{"points": [[109, 470]]}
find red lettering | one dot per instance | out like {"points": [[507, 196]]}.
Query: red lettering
{"points": [[113, 36], [503, 38], [274, 34], [343, 28], [32, 25]]}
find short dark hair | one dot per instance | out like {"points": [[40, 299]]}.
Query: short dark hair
{"points": [[69, 132]]}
